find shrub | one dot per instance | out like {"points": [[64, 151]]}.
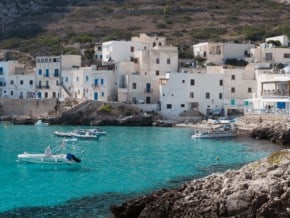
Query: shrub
{"points": [[105, 108]]}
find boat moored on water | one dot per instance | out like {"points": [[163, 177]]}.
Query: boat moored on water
{"points": [[219, 130], [40, 123], [82, 133], [51, 156]]}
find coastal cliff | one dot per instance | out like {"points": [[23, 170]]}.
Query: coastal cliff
{"points": [[259, 189]]}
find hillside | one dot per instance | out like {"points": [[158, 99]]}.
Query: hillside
{"points": [[43, 27]]}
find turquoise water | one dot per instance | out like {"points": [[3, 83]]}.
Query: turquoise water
{"points": [[127, 162]]}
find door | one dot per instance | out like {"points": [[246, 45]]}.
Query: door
{"points": [[96, 96]]}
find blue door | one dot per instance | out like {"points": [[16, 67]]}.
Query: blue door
{"points": [[96, 96], [39, 94]]}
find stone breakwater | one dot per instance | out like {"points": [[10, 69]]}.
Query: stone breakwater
{"points": [[275, 128], [259, 189]]}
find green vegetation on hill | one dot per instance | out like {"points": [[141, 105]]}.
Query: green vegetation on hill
{"points": [[50, 25]]}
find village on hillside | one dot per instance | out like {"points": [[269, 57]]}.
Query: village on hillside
{"points": [[224, 79]]}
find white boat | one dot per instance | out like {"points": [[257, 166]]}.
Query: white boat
{"points": [[54, 156], [84, 134], [221, 130], [40, 123], [97, 131], [63, 134]]}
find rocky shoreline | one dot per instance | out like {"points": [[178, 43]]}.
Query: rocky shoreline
{"points": [[259, 189]]}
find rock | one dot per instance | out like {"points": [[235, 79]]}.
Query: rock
{"points": [[232, 194]]}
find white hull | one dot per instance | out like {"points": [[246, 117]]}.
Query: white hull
{"points": [[41, 124], [213, 135], [44, 159], [87, 136], [63, 134]]}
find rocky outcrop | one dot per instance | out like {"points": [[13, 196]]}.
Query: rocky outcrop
{"points": [[100, 113], [260, 189]]}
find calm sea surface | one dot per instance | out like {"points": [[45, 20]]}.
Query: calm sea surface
{"points": [[127, 162]]}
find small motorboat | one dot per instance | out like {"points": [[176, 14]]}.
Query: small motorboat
{"points": [[51, 156], [221, 130], [84, 134], [40, 123], [62, 134], [97, 131]]}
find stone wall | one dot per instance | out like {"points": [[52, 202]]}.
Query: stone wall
{"points": [[32, 107]]}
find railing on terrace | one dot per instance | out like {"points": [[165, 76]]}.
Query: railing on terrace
{"points": [[267, 111], [275, 93]]}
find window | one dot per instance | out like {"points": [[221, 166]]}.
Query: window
{"points": [[207, 95], [191, 95], [233, 102], [157, 60], [220, 95], [249, 90], [182, 105], [134, 85], [168, 106], [103, 94], [268, 56], [21, 82], [154, 44], [30, 82], [148, 100], [47, 73], [102, 81], [233, 77], [233, 90], [157, 72], [39, 72], [221, 82], [132, 49], [192, 82], [11, 82], [87, 78], [168, 60], [11, 93], [77, 79], [66, 79], [45, 95], [56, 73], [183, 81], [1, 70], [286, 55]]}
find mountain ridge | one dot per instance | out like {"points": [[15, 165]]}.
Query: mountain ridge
{"points": [[43, 27]]}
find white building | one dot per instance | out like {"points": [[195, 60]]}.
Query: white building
{"points": [[239, 84], [218, 53], [283, 39], [272, 94], [194, 90], [138, 79], [48, 74], [16, 81], [117, 51], [90, 83]]}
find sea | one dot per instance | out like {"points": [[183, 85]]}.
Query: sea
{"points": [[126, 163]]}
